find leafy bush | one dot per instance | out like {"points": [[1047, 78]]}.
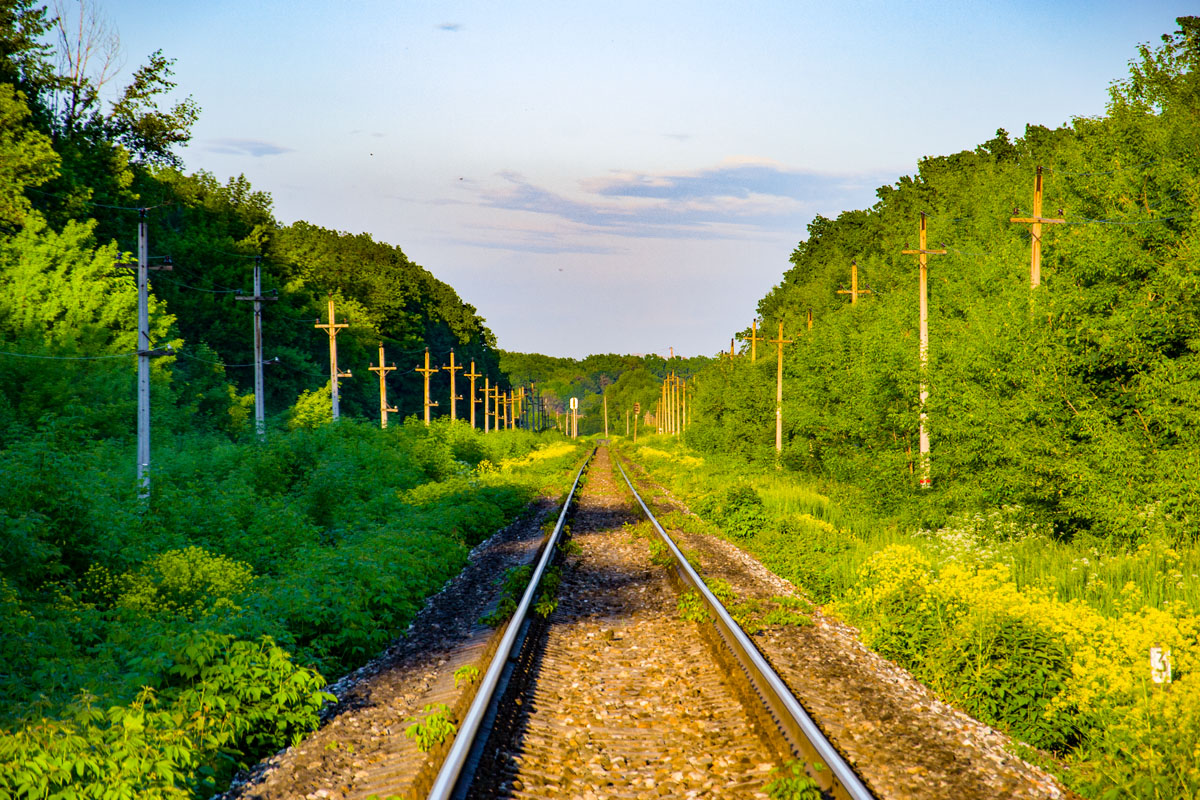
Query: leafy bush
{"points": [[190, 582], [737, 509]]}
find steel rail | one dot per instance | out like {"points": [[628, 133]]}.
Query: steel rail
{"points": [[452, 768], [795, 722]]}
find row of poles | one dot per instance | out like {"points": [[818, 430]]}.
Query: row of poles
{"points": [[501, 410], [533, 413], [672, 415], [922, 252]]}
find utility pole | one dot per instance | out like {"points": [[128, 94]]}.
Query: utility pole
{"points": [[754, 340], [472, 375], [809, 319], [333, 328], [454, 398], [921, 253], [606, 415], [487, 394], [780, 342], [1035, 225], [674, 404], [637, 411], [426, 373], [383, 370], [496, 401], [144, 353], [682, 406], [260, 425], [660, 417], [854, 291], [731, 347], [143, 356]]}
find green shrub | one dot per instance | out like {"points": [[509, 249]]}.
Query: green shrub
{"points": [[1007, 671], [189, 582]]}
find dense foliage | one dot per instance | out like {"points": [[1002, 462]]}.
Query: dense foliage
{"points": [[148, 649], [1047, 640], [1073, 400], [208, 617]]}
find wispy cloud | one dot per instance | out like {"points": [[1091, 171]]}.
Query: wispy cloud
{"points": [[736, 199], [245, 147], [451, 27]]}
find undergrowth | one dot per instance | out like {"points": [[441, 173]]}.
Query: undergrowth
{"points": [[1046, 639], [150, 652]]}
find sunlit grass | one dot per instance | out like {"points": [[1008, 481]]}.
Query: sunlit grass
{"points": [[1110, 580]]}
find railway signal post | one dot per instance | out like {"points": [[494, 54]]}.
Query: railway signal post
{"points": [[922, 252]]}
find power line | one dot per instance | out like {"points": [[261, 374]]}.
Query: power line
{"points": [[67, 358]]}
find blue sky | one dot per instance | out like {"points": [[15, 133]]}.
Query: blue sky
{"points": [[614, 176]]}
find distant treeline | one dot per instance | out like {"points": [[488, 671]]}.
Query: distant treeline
{"points": [[625, 379]]}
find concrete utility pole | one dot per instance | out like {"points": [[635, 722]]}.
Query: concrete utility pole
{"points": [[333, 328], [1035, 225], [921, 253], [731, 347], [454, 398], [142, 271], [260, 425], [779, 342], [606, 415], [472, 375], [853, 291], [426, 372], [637, 411], [384, 408], [143, 357]]}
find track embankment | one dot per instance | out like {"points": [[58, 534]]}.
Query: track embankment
{"points": [[902, 740]]}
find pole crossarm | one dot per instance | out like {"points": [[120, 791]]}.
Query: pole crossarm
{"points": [[1035, 223], [854, 291], [753, 339]]}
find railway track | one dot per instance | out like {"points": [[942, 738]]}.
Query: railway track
{"points": [[615, 695]]}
